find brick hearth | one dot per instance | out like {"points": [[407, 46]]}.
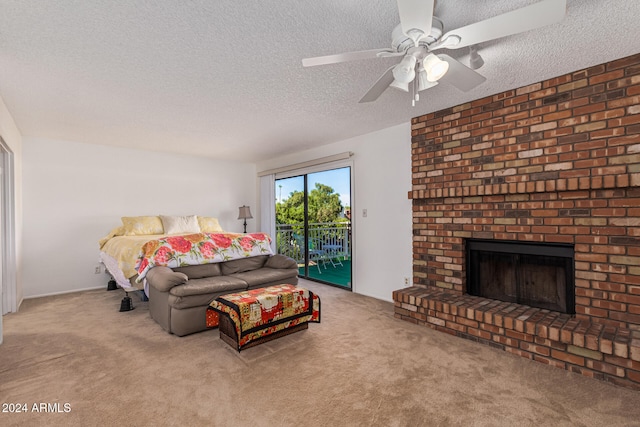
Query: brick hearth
{"points": [[553, 162]]}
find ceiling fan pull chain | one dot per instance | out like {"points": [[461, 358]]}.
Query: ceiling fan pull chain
{"points": [[416, 95]]}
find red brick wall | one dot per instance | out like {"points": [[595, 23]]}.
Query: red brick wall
{"points": [[555, 161]]}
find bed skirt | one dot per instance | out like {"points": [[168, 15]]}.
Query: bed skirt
{"points": [[128, 285]]}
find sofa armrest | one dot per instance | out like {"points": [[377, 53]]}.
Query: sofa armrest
{"points": [[163, 278], [281, 261]]}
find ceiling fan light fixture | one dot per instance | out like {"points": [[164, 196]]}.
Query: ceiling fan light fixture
{"points": [[400, 86], [405, 71], [436, 68], [420, 34], [475, 60], [423, 80]]}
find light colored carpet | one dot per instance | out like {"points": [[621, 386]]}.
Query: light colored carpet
{"points": [[359, 367]]}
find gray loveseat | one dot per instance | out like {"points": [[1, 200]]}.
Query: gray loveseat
{"points": [[179, 297]]}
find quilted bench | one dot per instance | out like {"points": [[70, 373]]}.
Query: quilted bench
{"points": [[249, 318]]}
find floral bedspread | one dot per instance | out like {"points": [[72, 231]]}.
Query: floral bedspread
{"points": [[200, 248], [261, 312]]}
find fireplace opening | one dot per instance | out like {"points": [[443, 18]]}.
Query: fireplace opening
{"points": [[535, 274]]}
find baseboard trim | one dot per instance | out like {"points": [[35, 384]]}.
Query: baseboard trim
{"points": [[65, 292]]}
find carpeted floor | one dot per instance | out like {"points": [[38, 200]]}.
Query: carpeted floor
{"points": [[359, 367]]}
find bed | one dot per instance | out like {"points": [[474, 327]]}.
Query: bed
{"points": [[140, 243]]}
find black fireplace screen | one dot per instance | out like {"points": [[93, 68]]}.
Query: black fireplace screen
{"points": [[535, 274]]}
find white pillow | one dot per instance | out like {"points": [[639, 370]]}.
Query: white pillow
{"points": [[180, 224]]}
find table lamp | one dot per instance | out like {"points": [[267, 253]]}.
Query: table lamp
{"points": [[244, 213]]}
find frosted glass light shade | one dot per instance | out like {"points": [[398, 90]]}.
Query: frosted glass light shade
{"points": [[399, 85], [475, 60], [435, 67], [405, 71], [423, 81]]}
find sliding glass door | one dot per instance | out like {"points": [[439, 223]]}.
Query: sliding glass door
{"points": [[313, 224]]}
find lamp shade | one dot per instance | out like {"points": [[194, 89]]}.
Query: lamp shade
{"points": [[244, 212], [405, 71], [399, 85], [423, 80], [475, 60], [436, 67]]}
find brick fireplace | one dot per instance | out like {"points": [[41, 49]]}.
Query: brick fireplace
{"points": [[553, 163]]}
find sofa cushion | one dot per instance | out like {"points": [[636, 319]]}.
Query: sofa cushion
{"points": [[209, 285], [264, 275], [244, 264], [200, 271], [163, 278], [180, 303], [281, 261]]}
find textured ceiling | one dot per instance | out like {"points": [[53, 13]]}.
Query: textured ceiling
{"points": [[224, 79]]}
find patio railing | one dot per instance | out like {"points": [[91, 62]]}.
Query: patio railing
{"points": [[327, 236]]}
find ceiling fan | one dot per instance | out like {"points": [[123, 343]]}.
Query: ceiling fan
{"points": [[420, 33]]}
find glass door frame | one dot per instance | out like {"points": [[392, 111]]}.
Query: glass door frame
{"points": [[304, 172]]}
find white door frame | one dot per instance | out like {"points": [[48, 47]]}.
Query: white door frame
{"points": [[7, 232]]}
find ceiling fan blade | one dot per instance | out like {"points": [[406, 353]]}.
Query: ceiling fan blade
{"points": [[378, 87], [390, 54], [415, 14], [344, 57], [527, 18], [461, 76]]}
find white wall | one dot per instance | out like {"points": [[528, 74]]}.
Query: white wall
{"points": [[382, 249], [75, 193]]}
